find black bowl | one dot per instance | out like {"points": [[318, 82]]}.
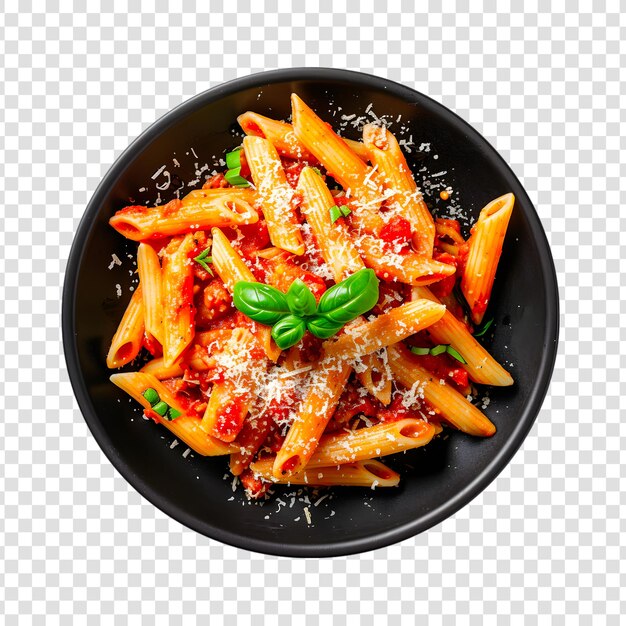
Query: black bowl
{"points": [[438, 479]]}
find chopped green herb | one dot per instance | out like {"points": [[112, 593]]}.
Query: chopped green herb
{"points": [[161, 408], [235, 179], [316, 170], [335, 213], [203, 258], [437, 350], [483, 329], [345, 211], [233, 159], [419, 351], [455, 354], [173, 413], [151, 396]]}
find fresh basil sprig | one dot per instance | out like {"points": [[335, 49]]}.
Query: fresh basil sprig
{"points": [[292, 314], [262, 303]]}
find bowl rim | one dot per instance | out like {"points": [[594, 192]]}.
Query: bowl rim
{"points": [[267, 546]]}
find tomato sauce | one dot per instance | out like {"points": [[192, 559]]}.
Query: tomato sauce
{"points": [[397, 231], [445, 286]]}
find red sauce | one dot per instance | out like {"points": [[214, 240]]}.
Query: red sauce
{"points": [[445, 286], [170, 208], [397, 411], [230, 419], [293, 169], [255, 487], [152, 346], [396, 231], [155, 417], [274, 440], [252, 128], [352, 403], [133, 209], [217, 181], [443, 367]]}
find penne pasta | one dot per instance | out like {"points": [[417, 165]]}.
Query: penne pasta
{"points": [[231, 268], [198, 359], [370, 474], [149, 270], [480, 365], [254, 432], [128, 338], [185, 427], [393, 171], [283, 138], [448, 403], [485, 248], [385, 330], [376, 376], [333, 240], [356, 177], [275, 194], [198, 210], [362, 444], [411, 268], [178, 311], [231, 396], [326, 384]]}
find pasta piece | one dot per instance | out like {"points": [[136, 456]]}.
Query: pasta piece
{"points": [[385, 153], [349, 446], [485, 248], [275, 194], [445, 229], [186, 427], [385, 330], [178, 311], [128, 338], [333, 240], [231, 268], [282, 137], [231, 396], [149, 270], [200, 209], [370, 474], [326, 385], [197, 358], [448, 403], [341, 163], [376, 377], [480, 365], [412, 269]]}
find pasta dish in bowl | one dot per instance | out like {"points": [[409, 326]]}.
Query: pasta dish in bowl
{"points": [[308, 310]]}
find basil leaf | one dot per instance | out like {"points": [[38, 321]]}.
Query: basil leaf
{"points": [[262, 303], [350, 298], [322, 327], [288, 331], [300, 300]]}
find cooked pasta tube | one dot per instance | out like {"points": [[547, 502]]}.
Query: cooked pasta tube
{"points": [[200, 209], [178, 310], [326, 384], [367, 443], [357, 178], [231, 397], [369, 473], [448, 403], [485, 248], [283, 138], [412, 268], [254, 432], [185, 427], [385, 330], [396, 176], [480, 365], [376, 376], [275, 193], [128, 338], [149, 270], [231, 268], [197, 358]]}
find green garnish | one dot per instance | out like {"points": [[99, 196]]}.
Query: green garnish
{"points": [[161, 408], [233, 159], [293, 313], [203, 258], [158, 406], [437, 350], [455, 354], [316, 170], [419, 351], [235, 178], [335, 213], [483, 329], [345, 211], [151, 396]]}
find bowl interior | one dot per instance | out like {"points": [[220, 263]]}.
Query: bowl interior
{"points": [[437, 479]]}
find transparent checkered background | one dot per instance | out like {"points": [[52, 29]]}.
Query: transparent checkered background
{"points": [[542, 543]]}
